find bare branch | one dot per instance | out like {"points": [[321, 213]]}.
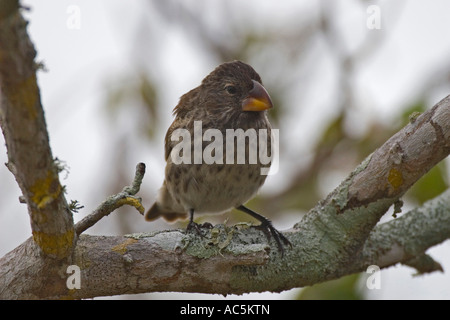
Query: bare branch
{"points": [[116, 201]]}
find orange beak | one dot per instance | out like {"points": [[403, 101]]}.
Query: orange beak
{"points": [[258, 99]]}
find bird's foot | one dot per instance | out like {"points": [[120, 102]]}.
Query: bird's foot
{"points": [[197, 228], [280, 239], [194, 227]]}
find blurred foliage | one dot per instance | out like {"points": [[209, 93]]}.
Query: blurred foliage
{"points": [[345, 288], [287, 56], [415, 108], [136, 91], [430, 185]]}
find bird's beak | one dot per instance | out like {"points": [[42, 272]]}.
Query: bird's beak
{"points": [[257, 100]]}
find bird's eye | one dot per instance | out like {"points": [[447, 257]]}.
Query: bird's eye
{"points": [[231, 89]]}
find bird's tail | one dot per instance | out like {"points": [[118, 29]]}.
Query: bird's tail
{"points": [[156, 211]]}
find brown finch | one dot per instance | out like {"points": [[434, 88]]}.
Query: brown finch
{"points": [[230, 97]]}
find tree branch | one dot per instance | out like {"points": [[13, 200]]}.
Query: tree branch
{"points": [[31, 161], [116, 201], [23, 124], [175, 261], [406, 239], [332, 239], [351, 211], [337, 237]]}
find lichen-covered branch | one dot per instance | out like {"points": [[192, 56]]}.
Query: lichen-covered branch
{"points": [[350, 212], [238, 259], [127, 196], [336, 238], [26, 274], [405, 239], [34, 269], [23, 124]]}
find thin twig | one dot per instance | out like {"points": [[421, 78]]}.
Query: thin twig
{"points": [[126, 196]]}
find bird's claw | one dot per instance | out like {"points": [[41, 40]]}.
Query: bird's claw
{"points": [[269, 230], [197, 228]]}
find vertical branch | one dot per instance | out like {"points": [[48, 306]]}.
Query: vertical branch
{"points": [[23, 124]]}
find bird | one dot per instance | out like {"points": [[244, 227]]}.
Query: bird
{"points": [[229, 99]]}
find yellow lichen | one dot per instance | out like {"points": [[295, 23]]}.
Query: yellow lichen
{"points": [[26, 94], [57, 245], [132, 202], [46, 190], [395, 178], [122, 248]]}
